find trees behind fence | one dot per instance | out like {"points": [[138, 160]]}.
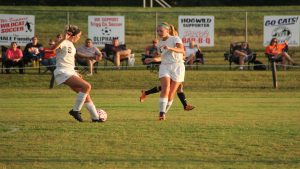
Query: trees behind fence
{"points": [[140, 2]]}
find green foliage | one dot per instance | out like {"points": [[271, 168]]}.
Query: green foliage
{"points": [[140, 23]]}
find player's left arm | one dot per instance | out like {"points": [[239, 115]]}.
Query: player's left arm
{"points": [[179, 48]]}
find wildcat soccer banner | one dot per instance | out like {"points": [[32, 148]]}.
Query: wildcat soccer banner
{"points": [[16, 28], [102, 29], [196, 28], [283, 28]]}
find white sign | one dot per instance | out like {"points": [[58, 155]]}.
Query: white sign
{"points": [[283, 28], [102, 29], [16, 28], [196, 28]]}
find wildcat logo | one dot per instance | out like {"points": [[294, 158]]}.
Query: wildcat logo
{"points": [[282, 33]]}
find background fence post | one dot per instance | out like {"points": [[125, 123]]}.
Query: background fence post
{"points": [[274, 74], [68, 18], [156, 24], [246, 27]]}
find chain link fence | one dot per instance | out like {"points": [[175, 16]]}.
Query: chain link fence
{"points": [[140, 27]]}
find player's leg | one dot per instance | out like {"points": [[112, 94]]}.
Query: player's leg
{"points": [[173, 88], [90, 106], [88, 103], [182, 98], [153, 90], [163, 101], [82, 88]]}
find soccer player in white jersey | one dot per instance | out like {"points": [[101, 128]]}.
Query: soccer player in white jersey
{"points": [[171, 70], [66, 74], [156, 89]]}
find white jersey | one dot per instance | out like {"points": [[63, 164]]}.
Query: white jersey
{"points": [[65, 56], [167, 56], [190, 51]]}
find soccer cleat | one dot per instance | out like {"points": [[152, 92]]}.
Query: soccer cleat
{"points": [[97, 120], [162, 116], [143, 96], [76, 115], [189, 107]]}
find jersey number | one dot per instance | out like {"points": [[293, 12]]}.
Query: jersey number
{"points": [[69, 50]]}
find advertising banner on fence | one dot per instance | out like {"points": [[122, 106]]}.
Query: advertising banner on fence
{"points": [[283, 28], [197, 28], [102, 29], [16, 28]]}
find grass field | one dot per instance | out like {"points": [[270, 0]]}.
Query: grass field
{"points": [[240, 121]]}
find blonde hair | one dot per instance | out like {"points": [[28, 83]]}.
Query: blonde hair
{"points": [[170, 27], [172, 31]]}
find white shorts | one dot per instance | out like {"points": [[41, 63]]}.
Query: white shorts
{"points": [[175, 71], [62, 75]]}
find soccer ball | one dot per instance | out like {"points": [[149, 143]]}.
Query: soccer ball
{"points": [[106, 31], [102, 115]]}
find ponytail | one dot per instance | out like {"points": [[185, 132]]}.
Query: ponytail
{"points": [[171, 28], [72, 30]]}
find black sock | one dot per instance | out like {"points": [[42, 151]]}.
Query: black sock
{"points": [[156, 89], [182, 99]]}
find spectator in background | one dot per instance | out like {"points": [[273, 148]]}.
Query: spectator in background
{"points": [[151, 52], [279, 52], [119, 52], [190, 53], [49, 56], [58, 38], [14, 57], [32, 51], [243, 53], [87, 55]]}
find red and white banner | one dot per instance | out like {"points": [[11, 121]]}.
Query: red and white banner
{"points": [[16, 28], [102, 29], [197, 28]]}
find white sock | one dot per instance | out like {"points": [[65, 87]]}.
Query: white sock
{"points": [[163, 104], [92, 110], [241, 67], [79, 101], [169, 104]]}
